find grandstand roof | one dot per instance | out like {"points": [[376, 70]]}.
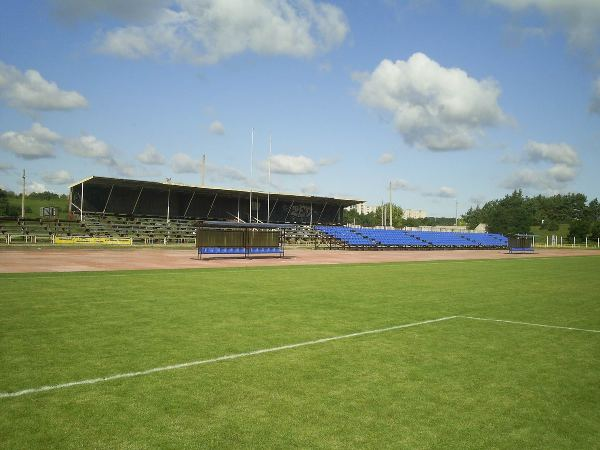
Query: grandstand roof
{"points": [[107, 181]]}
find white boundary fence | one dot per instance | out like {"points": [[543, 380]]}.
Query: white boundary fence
{"points": [[555, 241]]}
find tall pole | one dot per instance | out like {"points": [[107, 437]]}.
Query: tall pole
{"points": [[456, 214], [81, 204], [168, 206], [203, 168], [251, 162], [269, 191], [391, 224], [23, 197]]}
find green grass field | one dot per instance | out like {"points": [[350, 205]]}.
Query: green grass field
{"points": [[456, 383]]}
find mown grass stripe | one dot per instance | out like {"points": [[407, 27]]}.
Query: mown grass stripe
{"points": [[212, 360]]}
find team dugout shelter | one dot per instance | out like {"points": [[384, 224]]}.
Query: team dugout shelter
{"points": [[116, 196], [242, 239]]}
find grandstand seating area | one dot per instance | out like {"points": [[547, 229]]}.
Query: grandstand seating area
{"points": [[34, 230], [141, 229], [150, 230], [347, 236], [381, 238]]}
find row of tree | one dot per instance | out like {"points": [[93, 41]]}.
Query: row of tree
{"points": [[517, 213], [374, 218], [10, 202]]}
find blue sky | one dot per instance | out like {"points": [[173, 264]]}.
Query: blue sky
{"points": [[450, 101]]}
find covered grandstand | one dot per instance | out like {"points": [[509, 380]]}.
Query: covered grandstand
{"points": [[136, 198]]}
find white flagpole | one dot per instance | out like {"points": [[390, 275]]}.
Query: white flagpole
{"points": [[269, 191], [251, 163]]}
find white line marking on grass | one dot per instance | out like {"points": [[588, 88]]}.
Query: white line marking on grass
{"points": [[530, 324], [214, 360]]}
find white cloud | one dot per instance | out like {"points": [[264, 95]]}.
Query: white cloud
{"points": [[442, 192], [432, 106], [561, 158], [38, 142], [562, 173], [386, 158], [58, 177], [330, 161], [87, 146], [207, 31], [595, 102], [580, 19], [182, 163], [445, 192], [216, 127], [151, 156], [402, 185], [220, 173], [35, 186], [310, 189], [325, 67], [555, 153], [6, 167], [292, 165], [29, 91], [128, 10]]}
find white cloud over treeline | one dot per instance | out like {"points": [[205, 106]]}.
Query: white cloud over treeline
{"points": [[432, 106], [30, 91], [208, 31]]}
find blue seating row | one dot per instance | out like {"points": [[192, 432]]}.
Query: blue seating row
{"points": [[346, 235], [372, 237], [239, 250]]}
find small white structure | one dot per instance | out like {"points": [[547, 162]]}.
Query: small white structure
{"points": [[363, 208], [414, 214]]}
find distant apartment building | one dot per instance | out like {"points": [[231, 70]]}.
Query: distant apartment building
{"points": [[414, 214], [363, 208]]}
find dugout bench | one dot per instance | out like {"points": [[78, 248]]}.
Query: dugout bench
{"points": [[242, 239]]}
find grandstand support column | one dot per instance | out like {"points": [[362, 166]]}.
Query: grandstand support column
{"points": [[274, 205], [137, 200], [211, 206], [322, 211], [288, 213], [168, 205], [238, 209], [189, 204], [81, 204], [108, 198], [311, 213]]}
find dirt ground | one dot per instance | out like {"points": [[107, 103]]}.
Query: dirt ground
{"points": [[44, 259]]}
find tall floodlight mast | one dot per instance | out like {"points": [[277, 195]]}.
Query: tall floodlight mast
{"points": [[269, 191], [23, 197], [391, 224], [251, 163]]}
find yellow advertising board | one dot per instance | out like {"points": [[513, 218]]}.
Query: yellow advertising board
{"points": [[92, 240]]}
